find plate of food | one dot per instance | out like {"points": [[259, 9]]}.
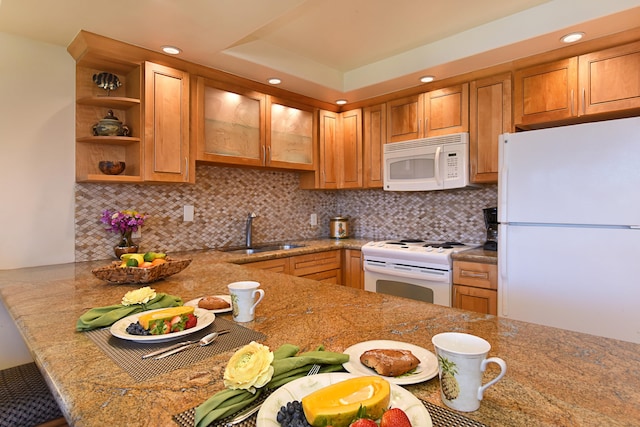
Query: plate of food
{"points": [[399, 362], [213, 303], [297, 389], [119, 329]]}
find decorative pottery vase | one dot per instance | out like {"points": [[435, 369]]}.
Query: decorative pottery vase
{"points": [[110, 126], [126, 245]]}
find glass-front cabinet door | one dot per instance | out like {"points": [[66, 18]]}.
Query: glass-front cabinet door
{"points": [[291, 139], [232, 127]]}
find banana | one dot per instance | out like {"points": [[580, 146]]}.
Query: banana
{"points": [[150, 256]]}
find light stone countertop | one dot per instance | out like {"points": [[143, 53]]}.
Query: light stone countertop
{"points": [[554, 377]]}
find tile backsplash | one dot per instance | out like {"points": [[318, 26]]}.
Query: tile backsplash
{"points": [[223, 197]]}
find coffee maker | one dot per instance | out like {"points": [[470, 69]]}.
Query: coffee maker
{"points": [[491, 222]]}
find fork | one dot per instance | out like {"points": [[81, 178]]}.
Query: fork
{"points": [[247, 413]]}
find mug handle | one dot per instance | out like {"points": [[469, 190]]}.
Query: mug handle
{"points": [[483, 367], [259, 292]]}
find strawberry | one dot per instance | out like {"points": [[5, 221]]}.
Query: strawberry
{"points": [[395, 417], [363, 422]]}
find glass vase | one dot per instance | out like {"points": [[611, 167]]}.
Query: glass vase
{"points": [[126, 245]]}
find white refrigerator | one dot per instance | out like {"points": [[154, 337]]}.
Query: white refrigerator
{"points": [[569, 233]]}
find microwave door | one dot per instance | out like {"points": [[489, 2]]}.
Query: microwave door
{"points": [[414, 171]]}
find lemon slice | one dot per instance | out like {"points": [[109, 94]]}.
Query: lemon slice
{"points": [[364, 393]]}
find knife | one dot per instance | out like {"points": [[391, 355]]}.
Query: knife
{"points": [[178, 345]]}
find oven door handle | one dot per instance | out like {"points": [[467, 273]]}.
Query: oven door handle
{"points": [[408, 272]]}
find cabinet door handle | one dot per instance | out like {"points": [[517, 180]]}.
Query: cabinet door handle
{"points": [[474, 274], [269, 154], [572, 110], [584, 101], [186, 167]]}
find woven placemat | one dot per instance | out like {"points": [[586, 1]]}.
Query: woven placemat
{"points": [[128, 354], [440, 417]]}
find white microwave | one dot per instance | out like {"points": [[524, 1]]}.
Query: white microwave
{"points": [[437, 163]]}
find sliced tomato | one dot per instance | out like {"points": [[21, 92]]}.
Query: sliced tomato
{"points": [[191, 321]]}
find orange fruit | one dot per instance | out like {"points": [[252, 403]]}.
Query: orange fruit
{"points": [[158, 261], [146, 265]]}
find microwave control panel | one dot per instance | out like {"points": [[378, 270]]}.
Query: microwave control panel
{"points": [[452, 166]]}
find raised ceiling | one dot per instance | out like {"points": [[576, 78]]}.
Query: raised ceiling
{"points": [[328, 49]]}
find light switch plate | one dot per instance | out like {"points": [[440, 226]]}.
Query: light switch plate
{"points": [[188, 213], [313, 220]]}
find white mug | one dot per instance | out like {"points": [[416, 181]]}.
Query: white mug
{"points": [[243, 300], [462, 358]]}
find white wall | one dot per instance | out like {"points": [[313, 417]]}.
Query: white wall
{"points": [[37, 166], [37, 129]]}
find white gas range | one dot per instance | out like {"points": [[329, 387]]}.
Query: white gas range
{"points": [[411, 268]]}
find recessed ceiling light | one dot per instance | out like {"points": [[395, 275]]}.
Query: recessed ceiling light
{"points": [[341, 101], [427, 79], [274, 81], [573, 37], [171, 50]]}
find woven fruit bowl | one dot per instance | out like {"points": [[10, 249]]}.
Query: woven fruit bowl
{"points": [[116, 274]]}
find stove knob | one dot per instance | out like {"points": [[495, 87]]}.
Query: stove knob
{"points": [[440, 250], [428, 248]]}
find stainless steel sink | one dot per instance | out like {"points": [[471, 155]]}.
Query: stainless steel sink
{"points": [[259, 249]]}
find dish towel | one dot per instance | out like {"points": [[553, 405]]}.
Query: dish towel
{"points": [[106, 316], [286, 367]]}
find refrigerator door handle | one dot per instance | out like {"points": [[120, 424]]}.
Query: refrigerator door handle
{"points": [[502, 179], [503, 282]]}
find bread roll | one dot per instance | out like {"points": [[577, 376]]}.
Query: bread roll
{"points": [[213, 303], [389, 362]]}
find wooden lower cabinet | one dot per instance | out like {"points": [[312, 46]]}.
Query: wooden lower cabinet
{"points": [[352, 272], [475, 287], [312, 265], [322, 266], [279, 265]]}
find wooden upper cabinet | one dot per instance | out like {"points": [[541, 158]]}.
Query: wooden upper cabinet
{"points": [[166, 123], [238, 126], [404, 118], [328, 147], [546, 93], [350, 154], [231, 128], [446, 111], [340, 151], [439, 112], [290, 137], [489, 116], [374, 135], [609, 80]]}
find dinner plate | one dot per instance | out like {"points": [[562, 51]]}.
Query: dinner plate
{"points": [[119, 329], [427, 369], [297, 389], [227, 298]]}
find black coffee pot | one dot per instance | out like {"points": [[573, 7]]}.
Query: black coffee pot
{"points": [[491, 222]]}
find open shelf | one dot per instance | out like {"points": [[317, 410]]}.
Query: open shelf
{"points": [[122, 102]]}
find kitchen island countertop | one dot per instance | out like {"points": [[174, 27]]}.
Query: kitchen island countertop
{"points": [[554, 377]]}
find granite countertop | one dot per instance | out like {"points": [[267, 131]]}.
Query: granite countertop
{"points": [[554, 377], [477, 254]]}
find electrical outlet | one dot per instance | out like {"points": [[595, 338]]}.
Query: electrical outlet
{"points": [[137, 234], [188, 213], [313, 220]]}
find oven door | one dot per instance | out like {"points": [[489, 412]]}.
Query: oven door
{"points": [[418, 283]]}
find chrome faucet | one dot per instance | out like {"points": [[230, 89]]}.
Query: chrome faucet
{"points": [[248, 231]]}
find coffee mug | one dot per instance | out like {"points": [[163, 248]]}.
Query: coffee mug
{"points": [[462, 358], [243, 300]]}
